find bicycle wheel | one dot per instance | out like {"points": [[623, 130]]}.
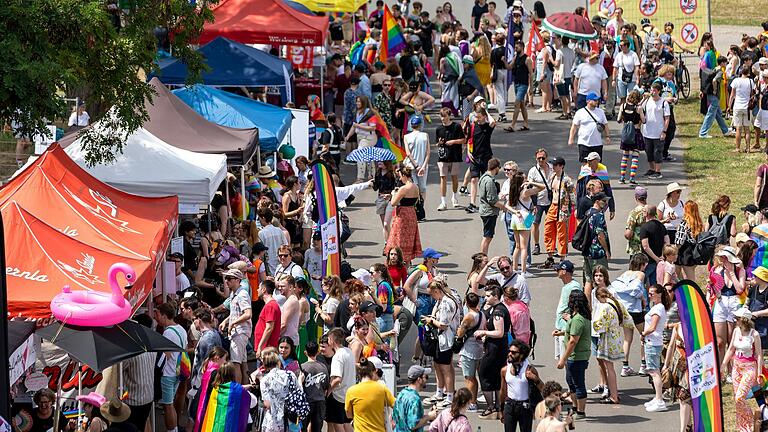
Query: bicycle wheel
{"points": [[685, 83]]}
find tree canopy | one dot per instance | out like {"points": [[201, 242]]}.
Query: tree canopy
{"points": [[101, 48]]}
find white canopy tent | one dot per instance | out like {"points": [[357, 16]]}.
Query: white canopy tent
{"points": [[150, 167]]}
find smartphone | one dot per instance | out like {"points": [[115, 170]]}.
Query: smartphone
{"points": [[570, 425]]}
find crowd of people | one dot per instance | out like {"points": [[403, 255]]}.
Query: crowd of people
{"points": [[265, 330]]}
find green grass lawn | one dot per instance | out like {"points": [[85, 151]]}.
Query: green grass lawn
{"points": [[738, 12], [713, 168]]}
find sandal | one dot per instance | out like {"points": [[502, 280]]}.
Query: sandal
{"points": [[488, 413], [562, 117], [524, 128], [509, 129]]}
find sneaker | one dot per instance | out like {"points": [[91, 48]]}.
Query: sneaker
{"points": [[730, 133], [656, 176], [536, 250], [648, 173], [547, 265], [463, 190], [658, 406], [502, 118], [622, 180], [471, 208], [527, 275], [442, 207], [706, 136], [454, 202], [481, 398], [597, 389], [472, 408], [670, 159], [437, 397], [642, 371], [579, 415], [445, 403], [606, 393], [632, 181], [627, 371]]}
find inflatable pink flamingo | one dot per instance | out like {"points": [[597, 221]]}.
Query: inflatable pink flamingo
{"points": [[95, 309]]}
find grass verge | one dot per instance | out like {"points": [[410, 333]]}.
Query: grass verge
{"points": [[737, 12], [714, 169]]}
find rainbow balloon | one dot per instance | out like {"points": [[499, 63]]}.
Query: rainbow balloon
{"points": [[329, 224], [392, 39], [701, 352]]}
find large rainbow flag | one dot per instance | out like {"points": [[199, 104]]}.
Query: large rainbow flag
{"points": [[760, 236], [327, 209], [385, 139], [226, 409], [701, 352], [392, 39]]}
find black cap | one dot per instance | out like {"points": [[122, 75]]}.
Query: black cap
{"points": [[565, 265], [258, 247], [336, 56], [557, 160], [367, 306], [750, 208], [178, 255], [599, 197]]}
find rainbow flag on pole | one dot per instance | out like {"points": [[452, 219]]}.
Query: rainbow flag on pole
{"points": [[325, 200], [226, 409], [385, 139], [392, 39], [701, 352]]}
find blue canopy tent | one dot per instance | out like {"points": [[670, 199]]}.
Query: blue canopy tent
{"points": [[231, 110], [233, 64]]}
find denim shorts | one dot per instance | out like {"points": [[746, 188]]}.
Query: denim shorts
{"points": [[386, 322], [169, 385], [520, 91], [624, 88], [575, 376], [424, 305], [653, 357]]}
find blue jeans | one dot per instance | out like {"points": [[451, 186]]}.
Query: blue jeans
{"points": [[386, 322], [650, 273], [713, 113], [511, 237], [575, 377]]}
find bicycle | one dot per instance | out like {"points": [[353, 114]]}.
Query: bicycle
{"points": [[682, 77]]}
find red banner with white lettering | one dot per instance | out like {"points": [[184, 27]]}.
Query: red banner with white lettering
{"points": [[301, 56]]}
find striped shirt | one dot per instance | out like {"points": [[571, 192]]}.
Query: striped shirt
{"points": [[139, 378]]}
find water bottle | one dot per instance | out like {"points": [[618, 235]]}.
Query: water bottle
{"points": [[479, 429]]}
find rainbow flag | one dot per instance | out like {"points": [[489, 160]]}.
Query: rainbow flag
{"points": [[385, 139], [356, 53], [392, 39], [329, 223], [760, 236], [701, 352], [226, 409]]}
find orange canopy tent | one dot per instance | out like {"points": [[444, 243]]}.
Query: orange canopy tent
{"points": [[265, 22], [64, 227]]}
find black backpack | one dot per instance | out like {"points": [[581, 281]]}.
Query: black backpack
{"points": [[719, 229], [704, 249], [582, 237], [707, 77]]}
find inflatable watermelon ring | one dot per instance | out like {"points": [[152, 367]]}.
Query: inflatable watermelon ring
{"points": [[570, 25]]}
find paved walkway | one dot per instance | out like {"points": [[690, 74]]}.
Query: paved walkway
{"points": [[458, 234]]}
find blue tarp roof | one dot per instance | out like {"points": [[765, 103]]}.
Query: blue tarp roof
{"points": [[231, 110], [232, 64]]}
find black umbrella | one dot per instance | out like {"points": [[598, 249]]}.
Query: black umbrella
{"points": [[102, 347], [18, 333]]}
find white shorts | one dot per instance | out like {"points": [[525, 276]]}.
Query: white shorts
{"points": [[761, 120], [740, 118], [724, 309], [449, 168], [238, 348]]}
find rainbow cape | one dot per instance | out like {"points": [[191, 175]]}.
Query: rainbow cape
{"points": [[601, 172], [385, 139], [226, 409], [356, 53], [392, 39], [701, 352], [760, 236], [329, 224]]}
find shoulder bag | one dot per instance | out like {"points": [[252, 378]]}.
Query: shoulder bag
{"points": [[600, 126]]}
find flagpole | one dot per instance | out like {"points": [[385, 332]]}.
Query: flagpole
{"points": [[5, 380]]}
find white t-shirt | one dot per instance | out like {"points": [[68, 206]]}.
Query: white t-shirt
{"points": [[590, 78], [177, 335], [418, 144], [588, 134], [656, 338], [655, 111], [343, 365], [313, 262], [273, 238], [628, 61], [567, 57], [240, 303], [79, 120], [743, 88], [538, 174], [519, 282]]}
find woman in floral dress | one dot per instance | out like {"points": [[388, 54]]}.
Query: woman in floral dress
{"points": [[274, 391], [607, 321]]}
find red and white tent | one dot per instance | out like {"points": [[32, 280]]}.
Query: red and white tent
{"points": [[64, 227]]}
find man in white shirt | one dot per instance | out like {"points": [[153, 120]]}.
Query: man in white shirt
{"points": [[742, 89], [506, 277], [343, 376], [79, 117], [539, 173], [238, 324], [564, 59], [417, 154], [654, 129], [590, 122], [271, 236], [616, 22], [590, 78]]}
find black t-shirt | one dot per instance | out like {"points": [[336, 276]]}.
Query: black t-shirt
{"points": [[729, 220], [582, 207], [497, 57], [477, 12], [498, 310], [449, 153], [425, 35], [654, 231], [44, 425], [317, 380], [190, 256], [481, 142]]}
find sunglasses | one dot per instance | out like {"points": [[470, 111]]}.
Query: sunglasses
{"points": [[505, 268], [540, 158], [508, 170], [387, 84], [283, 255]]}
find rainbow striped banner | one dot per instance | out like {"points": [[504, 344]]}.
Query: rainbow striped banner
{"points": [[701, 352], [392, 39], [329, 224], [226, 409]]}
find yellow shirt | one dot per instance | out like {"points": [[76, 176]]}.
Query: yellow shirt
{"points": [[367, 401]]}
